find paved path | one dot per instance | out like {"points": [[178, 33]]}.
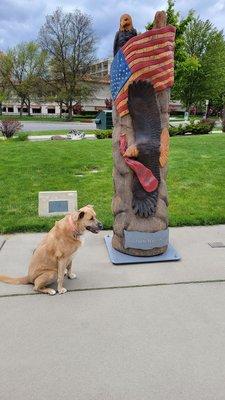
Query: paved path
{"points": [[48, 126], [45, 126], [150, 331]]}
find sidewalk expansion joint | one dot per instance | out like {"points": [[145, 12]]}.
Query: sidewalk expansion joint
{"points": [[2, 243], [121, 287]]}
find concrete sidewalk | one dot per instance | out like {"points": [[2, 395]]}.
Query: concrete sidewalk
{"points": [[199, 263], [150, 331]]}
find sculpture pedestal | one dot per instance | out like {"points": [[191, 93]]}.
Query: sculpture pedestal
{"points": [[118, 258]]}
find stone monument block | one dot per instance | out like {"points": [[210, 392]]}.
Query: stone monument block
{"points": [[57, 203]]}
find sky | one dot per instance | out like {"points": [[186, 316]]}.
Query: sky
{"points": [[20, 20]]}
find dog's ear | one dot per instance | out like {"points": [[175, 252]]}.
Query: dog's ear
{"points": [[90, 206], [81, 215]]}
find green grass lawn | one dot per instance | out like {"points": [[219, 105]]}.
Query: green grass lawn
{"points": [[195, 181]]}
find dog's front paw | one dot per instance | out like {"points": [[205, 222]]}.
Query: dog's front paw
{"points": [[51, 292], [72, 275], [62, 290]]}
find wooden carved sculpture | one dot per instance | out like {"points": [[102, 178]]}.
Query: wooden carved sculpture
{"points": [[141, 76]]}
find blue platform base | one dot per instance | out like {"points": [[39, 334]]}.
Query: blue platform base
{"points": [[116, 257]]}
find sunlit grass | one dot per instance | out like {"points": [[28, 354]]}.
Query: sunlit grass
{"points": [[195, 181]]}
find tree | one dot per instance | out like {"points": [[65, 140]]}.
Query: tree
{"points": [[202, 75], [69, 40], [173, 18], [23, 69], [199, 59], [3, 84]]}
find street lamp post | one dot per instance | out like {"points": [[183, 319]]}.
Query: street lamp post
{"points": [[206, 109]]}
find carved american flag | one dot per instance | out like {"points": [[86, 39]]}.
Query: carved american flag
{"points": [[148, 56]]}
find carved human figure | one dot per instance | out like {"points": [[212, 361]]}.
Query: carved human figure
{"points": [[126, 31]]}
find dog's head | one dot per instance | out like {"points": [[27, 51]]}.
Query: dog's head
{"points": [[85, 219]]}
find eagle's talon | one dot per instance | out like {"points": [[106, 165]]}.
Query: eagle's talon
{"points": [[131, 152]]}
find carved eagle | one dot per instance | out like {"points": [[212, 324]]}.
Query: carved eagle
{"points": [[145, 114]]}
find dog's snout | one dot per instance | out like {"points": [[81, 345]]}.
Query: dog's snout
{"points": [[100, 226]]}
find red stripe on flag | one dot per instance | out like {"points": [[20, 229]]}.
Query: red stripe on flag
{"points": [[150, 53], [122, 108], [155, 31], [151, 63], [141, 46], [121, 96], [166, 75]]}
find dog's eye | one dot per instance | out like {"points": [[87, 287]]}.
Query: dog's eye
{"points": [[91, 218]]}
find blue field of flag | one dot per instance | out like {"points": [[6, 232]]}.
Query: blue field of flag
{"points": [[120, 73]]}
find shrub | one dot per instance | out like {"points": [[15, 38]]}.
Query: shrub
{"points": [[106, 134], [223, 125], [10, 127], [173, 130], [77, 109], [201, 128], [177, 130], [22, 136], [108, 104]]}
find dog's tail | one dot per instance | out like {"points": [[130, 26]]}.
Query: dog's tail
{"points": [[15, 281]]}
